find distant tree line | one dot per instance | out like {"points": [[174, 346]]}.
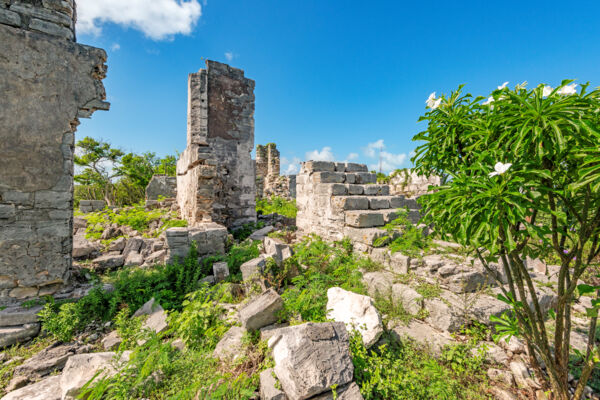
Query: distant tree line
{"points": [[110, 174]]}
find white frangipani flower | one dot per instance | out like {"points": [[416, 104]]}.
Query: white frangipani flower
{"points": [[568, 89], [500, 168], [432, 102], [489, 100], [547, 91], [502, 86]]}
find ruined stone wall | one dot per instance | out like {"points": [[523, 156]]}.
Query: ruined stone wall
{"points": [[269, 182], [47, 82], [408, 183], [215, 173], [337, 200]]}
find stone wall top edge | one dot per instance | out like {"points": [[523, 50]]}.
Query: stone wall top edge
{"points": [[50, 17]]}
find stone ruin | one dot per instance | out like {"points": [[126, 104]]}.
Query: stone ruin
{"points": [[337, 200], [269, 181], [161, 186], [47, 81], [215, 173], [408, 183]]}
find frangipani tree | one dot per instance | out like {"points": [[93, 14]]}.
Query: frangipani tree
{"points": [[521, 173]]}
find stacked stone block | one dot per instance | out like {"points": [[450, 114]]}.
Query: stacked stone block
{"points": [[47, 82], [215, 173], [408, 183], [161, 186], [337, 200]]}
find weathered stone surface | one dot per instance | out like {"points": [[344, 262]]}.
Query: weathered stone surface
{"points": [[46, 389], [520, 373], [261, 311], [133, 258], [268, 389], [14, 316], [310, 358], [424, 335], [209, 238], [230, 347], [261, 233], [108, 261], [36, 168], [379, 283], [277, 249], [215, 173], [357, 312], [17, 334], [350, 391], [112, 341], [408, 297], [161, 186], [87, 206], [269, 182], [81, 368], [220, 271], [253, 268], [82, 248], [364, 219], [50, 359], [149, 307]]}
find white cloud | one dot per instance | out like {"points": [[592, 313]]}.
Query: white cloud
{"points": [[325, 154], [157, 19], [290, 167], [115, 47], [229, 56], [385, 160], [352, 156]]}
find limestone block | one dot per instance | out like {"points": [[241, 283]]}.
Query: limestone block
{"points": [[365, 178], [108, 261], [408, 297], [118, 244], [261, 233], [351, 179], [351, 202], [520, 373], [112, 341], [363, 219], [82, 368], [156, 257], [424, 335], [399, 263], [8, 17], [328, 177], [268, 390], [253, 268], [310, 358], [350, 391], [376, 190], [340, 167], [149, 307], [46, 389], [262, 310], [376, 203], [17, 334], [357, 312], [353, 167], [355, 189], [220, 271], [318, 166], [14, 316], [445, 314], [133, 258], [491, 352], [50, 359], [161, 186], [379, 282], [230, 347]]}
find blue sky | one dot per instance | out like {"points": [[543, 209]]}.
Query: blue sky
{"points": [[334, 79]]}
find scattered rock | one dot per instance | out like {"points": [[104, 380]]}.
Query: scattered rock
{"points": [[379, 283], [47, 389], [514, 345], [520, 373], [253, 268], [82, 248], [268, 331], [424, 335], [261, 311], [230, 346], [310, 358], [19, 316], [502, 394], [261, 233], [356, 311], [150, 307], [117, 244], [52, 358], [17, 382], [81, 368], [133, 258], [17, 334], [350, 391], [220, 271], [112, 341], [268, 386], [408, 297], [492, 353], [277, 249], [499, 375], [108, 261]]}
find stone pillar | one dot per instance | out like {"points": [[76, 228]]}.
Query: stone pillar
{"points": [[273, 157], [215, 173], [47, 82]]}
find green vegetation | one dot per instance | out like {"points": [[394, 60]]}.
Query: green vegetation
{"points": [[277, 205], [111, 175], [411, 241], [135, 217], [522, 179], [400, 370]]}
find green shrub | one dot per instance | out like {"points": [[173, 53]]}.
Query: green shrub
{"points": [[246, 230], [399, 370], [412, 241], [277, 205]]}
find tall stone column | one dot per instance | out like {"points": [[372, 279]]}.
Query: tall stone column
{"points": [[47, 82], [215, 173]]}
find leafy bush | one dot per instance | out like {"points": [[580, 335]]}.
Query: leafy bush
{"points": [[412, 241], [327, 266], [399, 370], [277, 205], [246, 230]]}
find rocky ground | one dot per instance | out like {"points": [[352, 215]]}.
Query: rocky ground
{"points": [[439, 301]]}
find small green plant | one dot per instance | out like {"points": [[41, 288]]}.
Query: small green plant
{"points": [[246, 230], [128, 328], [404, 237], [277, 205]]}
